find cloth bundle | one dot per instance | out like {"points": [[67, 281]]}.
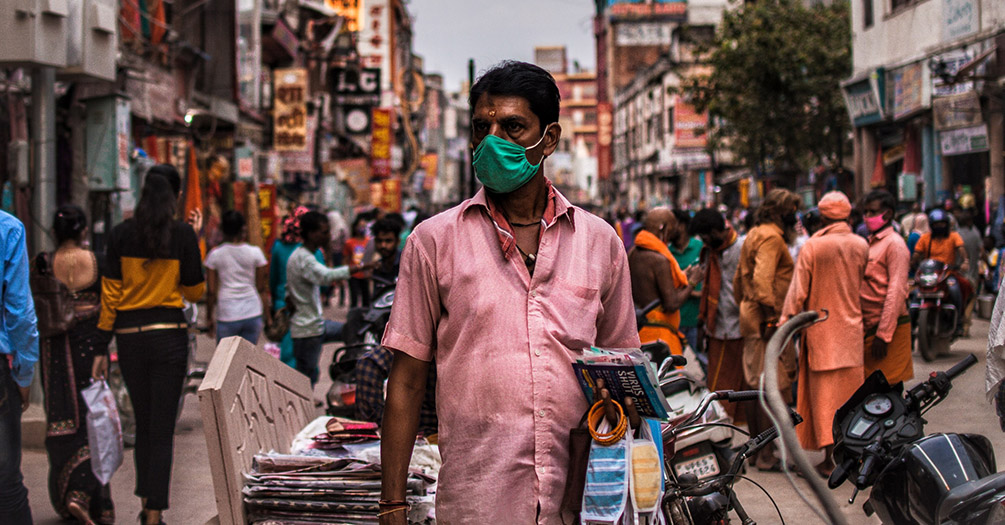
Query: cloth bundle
{"points": [[299, 490], [341, 431]]}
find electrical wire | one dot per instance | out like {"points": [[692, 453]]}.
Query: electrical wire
{"points": [[700, 425], [772, 500]]}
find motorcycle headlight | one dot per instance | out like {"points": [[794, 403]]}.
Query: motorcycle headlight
{"points": [[927, 279]]}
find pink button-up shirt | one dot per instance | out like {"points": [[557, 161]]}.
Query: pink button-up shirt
{"points": [[828, 276], [504, 341], [884, 290]]}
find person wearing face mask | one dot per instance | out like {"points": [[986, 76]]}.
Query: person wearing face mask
{"points": [[502, 293], [656, 275], [946, 246], [884, 293], [760, 284], [717, 309]]}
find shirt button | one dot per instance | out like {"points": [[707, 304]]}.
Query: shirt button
{"points": [[537, 353], [533, 294], [541, 413]]}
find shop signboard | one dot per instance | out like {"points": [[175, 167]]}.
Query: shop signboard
{"points": [[249, 53], [357, 86], [650, 10], [964, 140], [302, 161], [290, 110], [959, 19], [604, 131], [430, 164], [267, 214], [356, 173], [374, 43], [948, 65], [245, 157], [862, 98], [380, 143], [908, 90], [347, 9], [690, 127], [957, 111], [386, 195], [643, 34]]}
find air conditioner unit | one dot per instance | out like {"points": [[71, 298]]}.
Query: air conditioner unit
{"points": [[92, 27], [34, 32]]}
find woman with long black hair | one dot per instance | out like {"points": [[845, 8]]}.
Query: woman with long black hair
{"points": [[68, 362], [153, 264]]}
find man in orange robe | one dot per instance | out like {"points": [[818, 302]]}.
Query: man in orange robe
{"points": [[656, 275], [828, 276]]}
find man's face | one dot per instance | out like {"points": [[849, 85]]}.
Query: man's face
{"points": [[714, 239], [669, 230], [874, 208], [321, 235], [386, 244], [509, 117]]}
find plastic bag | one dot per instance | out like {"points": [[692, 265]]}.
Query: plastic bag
{"points": [[104, 432]]}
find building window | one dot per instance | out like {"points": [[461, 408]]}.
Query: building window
{"points": [[897, 5], [868, 13]]}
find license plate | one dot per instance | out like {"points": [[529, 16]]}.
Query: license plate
{"points": [[703, 467]]}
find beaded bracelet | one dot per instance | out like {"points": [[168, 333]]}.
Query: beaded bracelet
{"points": [[616, 433]]}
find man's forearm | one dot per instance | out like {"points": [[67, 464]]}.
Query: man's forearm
{"points": [[405, 393]]}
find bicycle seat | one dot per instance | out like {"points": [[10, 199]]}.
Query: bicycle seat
{"points": [[962, 497]]}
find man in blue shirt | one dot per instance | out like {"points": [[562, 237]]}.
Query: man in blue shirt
{"points": [[19, 346]]}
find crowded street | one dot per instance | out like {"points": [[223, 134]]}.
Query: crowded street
{"points": [[610, 262], [965, 410]]}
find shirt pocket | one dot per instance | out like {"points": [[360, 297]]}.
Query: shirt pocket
{"points": [[570, 313]]}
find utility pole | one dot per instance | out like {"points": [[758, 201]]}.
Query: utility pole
{"points": [[43, 132]]}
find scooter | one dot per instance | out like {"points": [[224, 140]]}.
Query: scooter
{"points": [[934, 316], [362, 333], [704, 449], [943, 479]]}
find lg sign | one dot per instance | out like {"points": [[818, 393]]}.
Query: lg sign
{"points": [[357, 82]]}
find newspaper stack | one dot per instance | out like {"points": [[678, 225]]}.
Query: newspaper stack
{"points": [[302, 490]]}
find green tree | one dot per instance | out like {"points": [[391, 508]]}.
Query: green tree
{"points": [[773, 91]]}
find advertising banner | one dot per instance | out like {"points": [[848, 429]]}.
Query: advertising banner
{"points": [[380, 143], [908, 90], [290, 110], [356, 173], [643, 34], [655, 10], [347, 9], [690, 127], [357, 87], [374, 44]]}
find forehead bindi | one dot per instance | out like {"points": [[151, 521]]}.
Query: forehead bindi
{"points": [[504, 107]]}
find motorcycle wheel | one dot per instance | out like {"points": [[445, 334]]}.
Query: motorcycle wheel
{"points": [[926, 342]]}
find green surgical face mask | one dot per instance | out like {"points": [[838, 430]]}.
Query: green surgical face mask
{"points": [[502, 166]]}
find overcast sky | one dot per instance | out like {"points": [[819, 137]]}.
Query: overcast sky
{"points": [[449, 32]]}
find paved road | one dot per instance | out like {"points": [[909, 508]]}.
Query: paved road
{"points": [[192, 490]]}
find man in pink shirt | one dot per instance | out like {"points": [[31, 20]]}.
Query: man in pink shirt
{"points": [[504, 291], [828, 276], [884, 293]]}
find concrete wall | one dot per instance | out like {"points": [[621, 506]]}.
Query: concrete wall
{"points": [[909, 33]]}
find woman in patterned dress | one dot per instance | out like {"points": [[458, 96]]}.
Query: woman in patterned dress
{"points": [[68, 363]]}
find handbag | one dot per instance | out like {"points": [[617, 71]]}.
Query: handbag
{"points": [[276, 331], [53, 300]]}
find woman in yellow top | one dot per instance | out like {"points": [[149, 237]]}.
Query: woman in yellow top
{"points": [[153, 264]]}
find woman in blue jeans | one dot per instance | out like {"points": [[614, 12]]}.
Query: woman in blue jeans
{"points": [[237, 282]]}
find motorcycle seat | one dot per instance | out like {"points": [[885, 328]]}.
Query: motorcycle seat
{"points": [[961, 497]]}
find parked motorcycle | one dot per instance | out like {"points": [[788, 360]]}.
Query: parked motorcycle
{"points": [[944, 478], [362, 333], [701, 498], [934, 316]]}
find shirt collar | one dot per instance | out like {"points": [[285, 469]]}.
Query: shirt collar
{"points": [[882, 234], [837, 227], [557, 206]]}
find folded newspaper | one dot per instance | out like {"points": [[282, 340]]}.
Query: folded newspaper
{"points": [[626, 372]]}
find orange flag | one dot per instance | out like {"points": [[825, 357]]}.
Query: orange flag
{"points": [[193, 192], [878, 178]]}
